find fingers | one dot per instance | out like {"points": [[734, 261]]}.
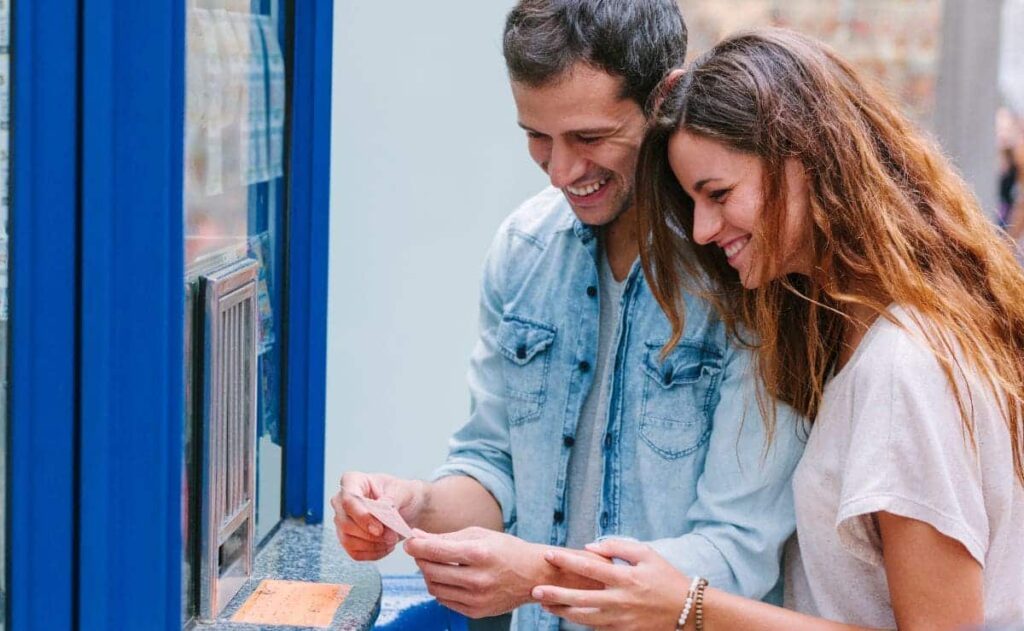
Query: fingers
{"points": [[351, 530], [441, 550], [446, 574], [358, 532], [631, 552], [344, 523], [353, 509], [586, 598], [604, 573], [451, 596], [367, 552], [361, 546]]}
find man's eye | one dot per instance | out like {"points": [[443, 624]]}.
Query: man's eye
{"points": [[589, 140], [535, 135]]}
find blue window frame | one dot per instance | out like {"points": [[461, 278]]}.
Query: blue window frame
{"points": [[41, 446], [97, 306], [131, 310], [309, 162]]}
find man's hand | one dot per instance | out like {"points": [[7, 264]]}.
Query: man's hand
{"points": [[359, 532], [646, 593], [480, 572]]}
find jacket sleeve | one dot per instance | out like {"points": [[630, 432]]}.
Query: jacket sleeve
{"points": [[744, 513], [480, 449]]}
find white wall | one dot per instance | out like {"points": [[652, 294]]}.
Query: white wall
{"points": [[426, 161]]}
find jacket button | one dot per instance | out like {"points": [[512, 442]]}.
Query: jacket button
{"points": [[591, 291], [559, 516], [568, 441], [608, 440], [667, 379], [604, 519], [584, 366], [521, 351]]}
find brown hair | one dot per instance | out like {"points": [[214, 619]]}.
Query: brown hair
{"points": [[636, 40], [890, 222]]}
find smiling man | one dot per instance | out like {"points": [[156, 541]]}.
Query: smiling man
{"points": [[579, 426]]}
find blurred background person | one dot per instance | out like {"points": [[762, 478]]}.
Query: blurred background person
{"points": [[1010, 138]]}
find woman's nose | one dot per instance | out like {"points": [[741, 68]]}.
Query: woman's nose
{"points": [[707, 223]]}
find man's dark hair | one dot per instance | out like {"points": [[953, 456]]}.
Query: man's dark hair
{"points": [[637, 40]]}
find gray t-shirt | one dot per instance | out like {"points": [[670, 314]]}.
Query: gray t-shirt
{"points": [[585, 461], [889, 438]]}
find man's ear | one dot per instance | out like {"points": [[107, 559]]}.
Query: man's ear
{"points": [[664, 88]]}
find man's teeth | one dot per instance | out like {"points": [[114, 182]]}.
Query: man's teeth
{"points": [[733, 248], [589, 189]]}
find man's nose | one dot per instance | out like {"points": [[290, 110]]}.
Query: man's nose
{"points": [[565, 165], [707, 223]]}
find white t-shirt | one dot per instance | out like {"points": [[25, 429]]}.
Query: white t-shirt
{"points": [[889, 438]]}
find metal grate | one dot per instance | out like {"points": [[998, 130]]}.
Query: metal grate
{"points": [[227, 540]]}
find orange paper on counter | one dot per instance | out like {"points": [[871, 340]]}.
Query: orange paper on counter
{"points": [[294, 603]]}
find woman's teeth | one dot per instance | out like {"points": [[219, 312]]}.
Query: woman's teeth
{"points": [[589, 189], [734, 248]]}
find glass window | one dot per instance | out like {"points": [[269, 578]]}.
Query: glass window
{"points": [[234, 208]]}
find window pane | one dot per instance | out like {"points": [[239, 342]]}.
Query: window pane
{"points": [[233, 191]]}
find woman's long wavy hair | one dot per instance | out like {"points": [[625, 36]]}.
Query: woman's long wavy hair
{"points": [[890, 221]]}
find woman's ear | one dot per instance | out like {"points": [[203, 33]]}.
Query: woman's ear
{"points": [[663, 89]]}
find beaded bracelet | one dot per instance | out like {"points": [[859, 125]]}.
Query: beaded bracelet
{"points": [[698, 602], [683, 617]]}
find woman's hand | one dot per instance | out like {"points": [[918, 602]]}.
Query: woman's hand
{"points": [[647, 594]]}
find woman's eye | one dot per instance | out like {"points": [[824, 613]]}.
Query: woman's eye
{"points": [[719, 195]]}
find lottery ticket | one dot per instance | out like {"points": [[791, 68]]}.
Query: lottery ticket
{"points": [[388, 515]]}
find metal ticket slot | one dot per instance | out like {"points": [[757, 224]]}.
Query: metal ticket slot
{"points": [[228, 433]]}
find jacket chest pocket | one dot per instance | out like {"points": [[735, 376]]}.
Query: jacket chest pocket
{"points": [[678, 397], [526, 345]]}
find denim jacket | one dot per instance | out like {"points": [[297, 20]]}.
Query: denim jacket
{"points": [[686, 468]]}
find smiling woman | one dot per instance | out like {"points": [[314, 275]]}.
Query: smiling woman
{"points": [[880, 303], [726, 188]]}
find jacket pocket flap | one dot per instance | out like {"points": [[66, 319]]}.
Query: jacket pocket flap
{"points": [[520, 339], [684, 364]]}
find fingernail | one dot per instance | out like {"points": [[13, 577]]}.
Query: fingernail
{"points": [[376, 530], [549, 556], [538, 593]]}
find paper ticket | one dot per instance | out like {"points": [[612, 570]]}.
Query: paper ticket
{"points": [[388, 515]]}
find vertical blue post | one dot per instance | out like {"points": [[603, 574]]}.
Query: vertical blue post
{"points": [[42, 335], [130, 563], [308, 208]]}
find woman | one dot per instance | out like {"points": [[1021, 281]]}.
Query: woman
{"points": [[887, 310]]}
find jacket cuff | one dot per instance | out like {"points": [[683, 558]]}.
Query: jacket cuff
{"points": [[696, 555]]}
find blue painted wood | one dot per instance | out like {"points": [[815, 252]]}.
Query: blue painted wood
{"points": [[43, 233], [308, 211], [129, 566]]}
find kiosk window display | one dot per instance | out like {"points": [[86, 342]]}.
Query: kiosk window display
{"points": [[236, 98]]}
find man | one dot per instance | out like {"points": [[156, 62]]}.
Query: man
{"points": [[579, 428]]}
